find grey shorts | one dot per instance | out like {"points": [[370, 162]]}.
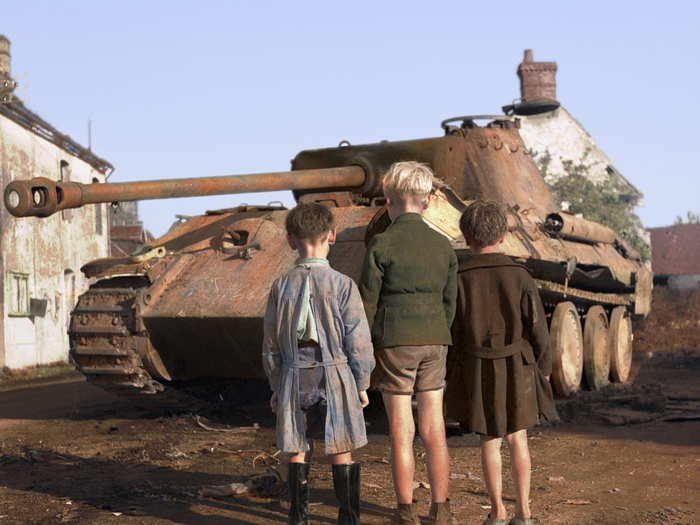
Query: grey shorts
{"points": [[314, 420], [407, 369]]}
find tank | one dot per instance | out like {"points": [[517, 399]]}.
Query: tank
{"points": [[189, 307]]}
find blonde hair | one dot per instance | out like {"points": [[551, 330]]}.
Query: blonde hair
{"points": [[408, 178]]}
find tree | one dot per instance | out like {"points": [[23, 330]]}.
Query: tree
{"points": [[691, 218], [604, 202]]}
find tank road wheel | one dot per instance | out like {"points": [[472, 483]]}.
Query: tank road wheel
{"points": [[567, 349], [620, 344], [596, 349]]}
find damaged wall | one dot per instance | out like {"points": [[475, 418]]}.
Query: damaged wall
{"points": [[41, 258], [560, 136]]}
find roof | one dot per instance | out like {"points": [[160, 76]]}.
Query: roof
{"points": [[16, 111], [675, 250], [127, 233]]}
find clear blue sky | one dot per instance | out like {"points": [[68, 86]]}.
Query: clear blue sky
{"points": [[181, 89]]}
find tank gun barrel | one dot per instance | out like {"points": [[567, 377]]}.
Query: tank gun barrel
{"points": [[41, 197]]}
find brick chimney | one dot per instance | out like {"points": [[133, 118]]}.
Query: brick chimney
{"points": [[4, 57], [537, 79]]}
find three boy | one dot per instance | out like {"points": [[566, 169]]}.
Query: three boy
{"points": [[318, 354]]}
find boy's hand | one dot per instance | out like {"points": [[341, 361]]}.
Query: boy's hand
{"points": [[364, 400], [273, 402]]}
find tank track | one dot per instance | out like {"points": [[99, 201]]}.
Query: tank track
{"points": [[106, 343]]}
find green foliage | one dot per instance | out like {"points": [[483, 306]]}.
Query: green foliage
{"points": [[605, 202], [691, 218]]}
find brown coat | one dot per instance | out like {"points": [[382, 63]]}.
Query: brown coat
{"points": [[501, 351]]}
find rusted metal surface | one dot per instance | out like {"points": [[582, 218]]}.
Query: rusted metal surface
{"points": [[559, 292], [476, 162], [571, 227], [675, 250], [42, 197]]}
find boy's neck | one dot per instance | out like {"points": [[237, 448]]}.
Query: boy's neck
{"points": [[317, 248], [483, 250], [401, 205], [397, 211], [312, 251]]}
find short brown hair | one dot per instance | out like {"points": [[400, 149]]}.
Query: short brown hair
{"points": [[309, 221], [483, 223]]}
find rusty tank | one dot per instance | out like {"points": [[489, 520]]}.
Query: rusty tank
{"points": [[189, 307]]}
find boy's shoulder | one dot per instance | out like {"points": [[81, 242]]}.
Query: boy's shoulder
{"points": [[495, 262], [415, 226]]}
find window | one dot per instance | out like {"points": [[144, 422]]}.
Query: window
{"points": [[17, 294], [98, 212], [64, 176]]}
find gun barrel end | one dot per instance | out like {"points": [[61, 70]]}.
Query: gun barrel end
{"points": [[38, 197]]}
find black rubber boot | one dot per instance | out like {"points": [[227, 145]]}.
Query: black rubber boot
{"points": [[298, 487], [346, 482]]}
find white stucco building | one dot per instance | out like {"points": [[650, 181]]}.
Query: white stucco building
{"points": [[41, 258]]}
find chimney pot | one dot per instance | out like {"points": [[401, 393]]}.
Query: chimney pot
{"points": [[537, 79]]}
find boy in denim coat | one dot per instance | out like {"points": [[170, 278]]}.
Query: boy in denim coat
{"points": [[317, 355]]}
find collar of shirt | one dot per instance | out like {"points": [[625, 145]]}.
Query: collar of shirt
{"points": [[311, 260], [408, 217]]}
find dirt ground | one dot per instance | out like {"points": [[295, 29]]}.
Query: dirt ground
{"points": [[72, 454]]}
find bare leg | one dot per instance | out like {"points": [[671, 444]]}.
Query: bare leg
{"points": [[491, 465], [344, 458], [303, 457], [298, 458], [520, 466], [431, 425], [402, 430]]}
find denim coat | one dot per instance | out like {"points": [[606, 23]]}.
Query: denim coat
{"points": [[346, 347]]}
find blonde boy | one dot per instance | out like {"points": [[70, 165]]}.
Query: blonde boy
{"points": [[408, 288]]}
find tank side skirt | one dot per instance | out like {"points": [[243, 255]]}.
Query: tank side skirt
{"points": [[559, 292]]}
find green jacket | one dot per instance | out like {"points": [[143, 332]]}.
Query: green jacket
{"points": [[408, 285]]}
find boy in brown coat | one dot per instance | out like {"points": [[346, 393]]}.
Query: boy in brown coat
{"points": [[501, 360]]}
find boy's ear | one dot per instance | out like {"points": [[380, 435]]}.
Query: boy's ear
{"points": [[291, 240], [331, 236]]}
